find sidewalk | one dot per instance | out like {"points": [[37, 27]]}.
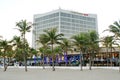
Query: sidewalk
{"points": [[59, 74]]}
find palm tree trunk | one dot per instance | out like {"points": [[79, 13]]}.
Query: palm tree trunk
{"points": [[81, 61], [53, 63], [43, 62], [107, 57], [91, 59], [25, 61], [111, 57], [90, 62], [25, 56], [66, 57], [53, 59], [119, 66], [5, 65]]}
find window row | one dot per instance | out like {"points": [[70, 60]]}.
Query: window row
{"points": [[78, 29], [77, 16], [48, 21], [76, 21], [40, 29], [76, 25], [47, 17], [48, 24]]}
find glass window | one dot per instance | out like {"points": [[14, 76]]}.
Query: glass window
{"points": [[65, 14], [75, 16]]}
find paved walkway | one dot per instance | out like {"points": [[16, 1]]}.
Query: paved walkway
{"points": [[59, 74]]}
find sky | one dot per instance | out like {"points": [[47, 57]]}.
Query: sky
{"points": [[12, 11]]}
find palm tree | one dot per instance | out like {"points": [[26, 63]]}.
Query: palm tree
{"points": [[9, 53], [23, 27], [92, 45], [105, 42], [42, 40], [115, 29], [43, 51], [32, 52], [80, 42], [18, 47], [53, 38], [66, 46], [4, 46], [17, 42], [57, 52]]}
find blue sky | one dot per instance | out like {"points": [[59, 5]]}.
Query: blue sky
{"points": [[12, 11]]}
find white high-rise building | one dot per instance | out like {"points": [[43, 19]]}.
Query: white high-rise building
{"points": [[67, 22]]}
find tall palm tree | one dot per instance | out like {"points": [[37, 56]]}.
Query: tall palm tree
{"points": [[108, 41], [115, 29], [80, 42], [43, 51], [66, 46], [4, 45], [105, 42], [23, 27], [42, 40], [57, 52], [92, 45], [53, 38]]}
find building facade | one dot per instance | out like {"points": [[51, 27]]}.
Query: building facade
{"points": [[67, 22]]}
